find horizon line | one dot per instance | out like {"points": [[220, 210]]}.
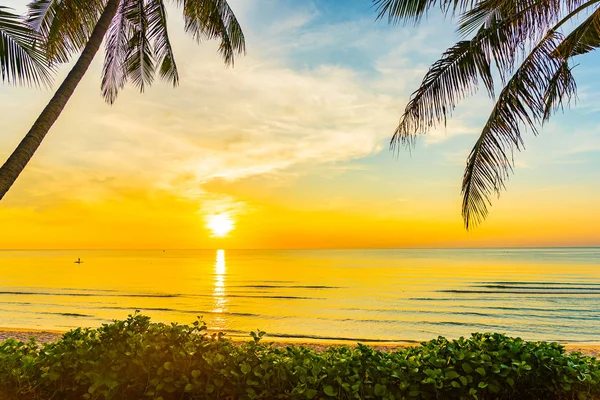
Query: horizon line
{"points": [[307, 248]]}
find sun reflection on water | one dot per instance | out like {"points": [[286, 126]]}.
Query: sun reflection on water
{"points": [[219, 295]]}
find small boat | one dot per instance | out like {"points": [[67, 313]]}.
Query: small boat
{"points": [[78, 261]]}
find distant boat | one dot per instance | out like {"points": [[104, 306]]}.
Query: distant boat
{"points": [[78, 261]]}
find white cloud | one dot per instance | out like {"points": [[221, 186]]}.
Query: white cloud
{"points": [[262, 117]]}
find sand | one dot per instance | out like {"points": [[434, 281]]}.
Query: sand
{"points": [[46, 336]]}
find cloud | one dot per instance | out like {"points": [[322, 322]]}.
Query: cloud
{"points": [[268, 115], [260, 117]]}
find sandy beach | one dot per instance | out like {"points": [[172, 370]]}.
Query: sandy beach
{"points": [[46, 336]]}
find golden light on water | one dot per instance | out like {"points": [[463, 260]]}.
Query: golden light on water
{"points": [[219, 224], [220, 263], [219, 295]]}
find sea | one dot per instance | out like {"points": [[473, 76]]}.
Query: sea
{"points": [[371, 296]]}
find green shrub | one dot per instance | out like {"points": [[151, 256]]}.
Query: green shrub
{"points": [[137, 359]]}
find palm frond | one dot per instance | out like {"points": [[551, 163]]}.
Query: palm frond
{"points": [[456, 75], [64, 24], [157, 31], [214, 19], [561, 89], [21, 61], [583, 39], [415, 10], [507, 33], [449, 79], [139, 61], [539, 15], [116, 48], [520, 25], [521, 103]]}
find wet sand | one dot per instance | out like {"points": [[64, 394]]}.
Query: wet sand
{"points": [[46, 336]]}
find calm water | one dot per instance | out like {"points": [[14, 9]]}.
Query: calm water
{"points": [[383, 295]]}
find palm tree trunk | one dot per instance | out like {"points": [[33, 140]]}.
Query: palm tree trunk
{"points": [[25, 150]]}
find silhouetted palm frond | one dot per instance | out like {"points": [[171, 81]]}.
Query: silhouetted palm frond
{"points": [[64, 25], [117, 39], [214, 19], [561, 89], [21, 61], [137, 43], [415, 10], [139, 61], [521, 103], [583, 39], [521, 40], [157, 31], [449, 79]]}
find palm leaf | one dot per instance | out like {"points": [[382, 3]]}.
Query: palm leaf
{"points": [[521, 103], [157, 31], [139, 61], [520, 25], [561, 89], [214, 19], [508, 32], [21, 61], [415, 10], [448, 80], [540, 15], [65, 25], [583, 39], [456, 76], [116, 48]]}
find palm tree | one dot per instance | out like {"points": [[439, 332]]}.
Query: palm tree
{"points": [[20, 60], [137, 44], [526, 43]]}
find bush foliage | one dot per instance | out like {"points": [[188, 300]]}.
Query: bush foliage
{"points": [[137, 359]]}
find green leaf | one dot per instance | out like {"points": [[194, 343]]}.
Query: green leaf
{"points": [[168, 365], [328, 390], [452, 375], [380, 390], [480, 371], [246, 368]]}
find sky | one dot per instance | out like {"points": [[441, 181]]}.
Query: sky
{"points": [[292, 146]]}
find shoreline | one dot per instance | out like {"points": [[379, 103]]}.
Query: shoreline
{"points": [[48, 335]]}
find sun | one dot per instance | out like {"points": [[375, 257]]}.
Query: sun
{"points": [[219, 224]]}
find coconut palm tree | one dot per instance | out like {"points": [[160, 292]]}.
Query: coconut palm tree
{"points": [[21, 62], [137, 44], [529, 46]]}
